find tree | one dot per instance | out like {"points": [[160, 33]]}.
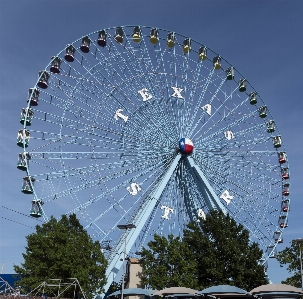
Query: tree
{"points": [[63, 249], [224, 253], [213, 251], [291, 257], [167, 263]]}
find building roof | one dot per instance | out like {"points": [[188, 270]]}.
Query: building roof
{"points": [[133, 260], [275, 288], [134, 292], [176, 290], [272, 295], [224, 290]]}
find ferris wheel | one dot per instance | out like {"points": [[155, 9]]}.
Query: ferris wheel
{"points": [[146, 127]]}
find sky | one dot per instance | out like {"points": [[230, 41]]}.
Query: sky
{"points": [[261, 38]]}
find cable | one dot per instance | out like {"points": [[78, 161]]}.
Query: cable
{"points": [[21, 213], [17, 222]]}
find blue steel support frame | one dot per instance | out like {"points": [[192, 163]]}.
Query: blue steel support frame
{"points": [[211, 199], [139, 220]]}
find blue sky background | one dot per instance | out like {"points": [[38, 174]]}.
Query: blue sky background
{"points": [[262, 39]]}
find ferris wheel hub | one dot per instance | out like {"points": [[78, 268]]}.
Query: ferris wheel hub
{"points": [[186, 146]]}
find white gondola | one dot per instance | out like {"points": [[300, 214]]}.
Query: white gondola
{"points": [[277, 141], [27, 115], [43, 79], [33, 96], [85, 44], [28, 184], [119, 36], [154, 39], [101, 41], [70, 53], [36, 210], [186, 45], [230, 73], [23, 161], [23, 138], [55, 65], [136, 34], [170, 40], [217, 63]]}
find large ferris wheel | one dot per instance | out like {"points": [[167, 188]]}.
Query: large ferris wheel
{"points": [[148, 127]]}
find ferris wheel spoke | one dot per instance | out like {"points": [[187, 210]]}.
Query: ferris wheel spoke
{"points": [[230, 126], [161, 63], [247, 191], [122, 61], [134, 92], [110, 92], [100, 197], [219, 106], [154, 164], [89, 127], [87, 140], [237, 145], [250, 219], [168, 110], [194, 92], [153, 173], [248, 166], [172, 68], [233, 182], [202, 95], [235, 188], [65, 93], [254, 221], [178, 67], [112, 169], [203, 98], [77, 113], [113, 77], [216, 113]]}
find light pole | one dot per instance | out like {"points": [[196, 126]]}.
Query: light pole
{"points": [[124, 227], [299, 241]]}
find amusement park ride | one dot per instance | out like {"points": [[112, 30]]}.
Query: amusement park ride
{"points": [[145, 126]]}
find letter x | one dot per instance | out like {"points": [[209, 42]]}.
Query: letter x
{"points": [[177, 92]]}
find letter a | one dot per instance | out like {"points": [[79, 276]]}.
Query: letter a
{"points": [[207, 108], [201, 214], [144, 94]]}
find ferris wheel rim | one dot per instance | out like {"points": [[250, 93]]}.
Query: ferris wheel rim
{"points": [[110, 28]]}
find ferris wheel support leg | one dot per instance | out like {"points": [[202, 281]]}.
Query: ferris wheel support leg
{"points": [[130, 235], [211, 198], [190, 204]]}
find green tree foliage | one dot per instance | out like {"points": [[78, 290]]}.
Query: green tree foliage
{"points": [[167, 263], [224, 253], [115, 286], [291, 256], [63, 249], [213, 251]]}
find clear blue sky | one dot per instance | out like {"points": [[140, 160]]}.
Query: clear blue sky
{"points": [[262, 39]]}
